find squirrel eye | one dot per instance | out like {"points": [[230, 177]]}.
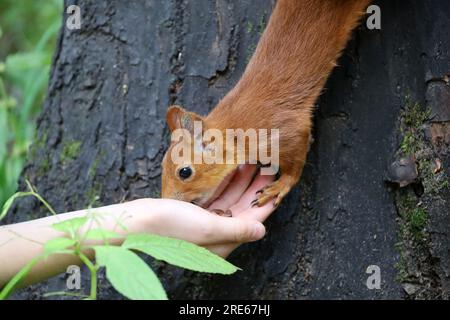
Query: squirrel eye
{"points": [[185, 172]]}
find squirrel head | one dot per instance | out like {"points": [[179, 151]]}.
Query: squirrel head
{"points": [[190, 170]]}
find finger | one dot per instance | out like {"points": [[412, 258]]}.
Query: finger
{"points": [[236, 188], [235, 230], [182, 220], [222, 250], [258, 213], [244, 202]]}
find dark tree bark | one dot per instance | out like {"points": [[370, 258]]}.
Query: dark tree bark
{"points": [[102, 133]]}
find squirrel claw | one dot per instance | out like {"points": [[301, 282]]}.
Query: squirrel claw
{"points": [[276, 190], [254, 202]]}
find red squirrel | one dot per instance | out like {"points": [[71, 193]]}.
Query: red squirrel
{"points": [[286, 74]]}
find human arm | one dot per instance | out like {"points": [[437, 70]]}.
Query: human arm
{"points": [[20, 243]]}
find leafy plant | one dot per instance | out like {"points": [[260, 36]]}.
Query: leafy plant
{"points": [[27, 39], [125, 270], [31, 192]]}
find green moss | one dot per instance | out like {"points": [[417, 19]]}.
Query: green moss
{"points": [[258, 30], [413, 142], [38, 144], [412, 235], [262, 23], [414, 217], [249, 27], [413, 119], [417, 221], [70, 150], [433, 182], [402, 265], [93, 195], [409, 145], [44, 167], [93, 168], [94, 165], [250, 50], [412, 202], [414, 116]]}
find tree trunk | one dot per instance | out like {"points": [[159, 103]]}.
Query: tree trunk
{"points": [[102, 134]]}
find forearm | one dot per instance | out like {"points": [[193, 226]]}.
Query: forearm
{"points": [[21, 243]]}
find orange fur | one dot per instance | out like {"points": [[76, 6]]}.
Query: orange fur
{"points": [[278, 89]]}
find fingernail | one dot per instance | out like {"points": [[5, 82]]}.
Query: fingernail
{"points": [[258, 231]]}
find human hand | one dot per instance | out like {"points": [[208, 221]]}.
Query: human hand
{"points": [[219, 234], [237, 198]]}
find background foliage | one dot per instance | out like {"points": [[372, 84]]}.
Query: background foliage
{"points": [[28, 31]]}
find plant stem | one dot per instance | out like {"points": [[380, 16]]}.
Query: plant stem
{"points": [[34, 193], [8, 289], [3, 93], [93, 269], [45, 203], [64, 293]]}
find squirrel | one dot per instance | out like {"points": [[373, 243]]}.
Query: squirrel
{"points": [[281, 83]]}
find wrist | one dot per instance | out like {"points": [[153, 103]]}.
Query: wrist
{"points": [[139, 216], [132, 217]]}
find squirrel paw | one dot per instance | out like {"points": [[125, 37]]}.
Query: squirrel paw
{"points": [[276, 190]]}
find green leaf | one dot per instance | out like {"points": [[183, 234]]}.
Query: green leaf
{"points": [[20, 62], [129, 274], [58, 244], [34, 87], [70, 225], [179, 253], [101, 234], [10, 201]]}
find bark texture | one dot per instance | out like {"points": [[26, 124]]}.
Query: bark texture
{"points": [[102, 134]]}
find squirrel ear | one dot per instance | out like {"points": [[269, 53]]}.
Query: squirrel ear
{"points": [[179, 118], [173, 117]]}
